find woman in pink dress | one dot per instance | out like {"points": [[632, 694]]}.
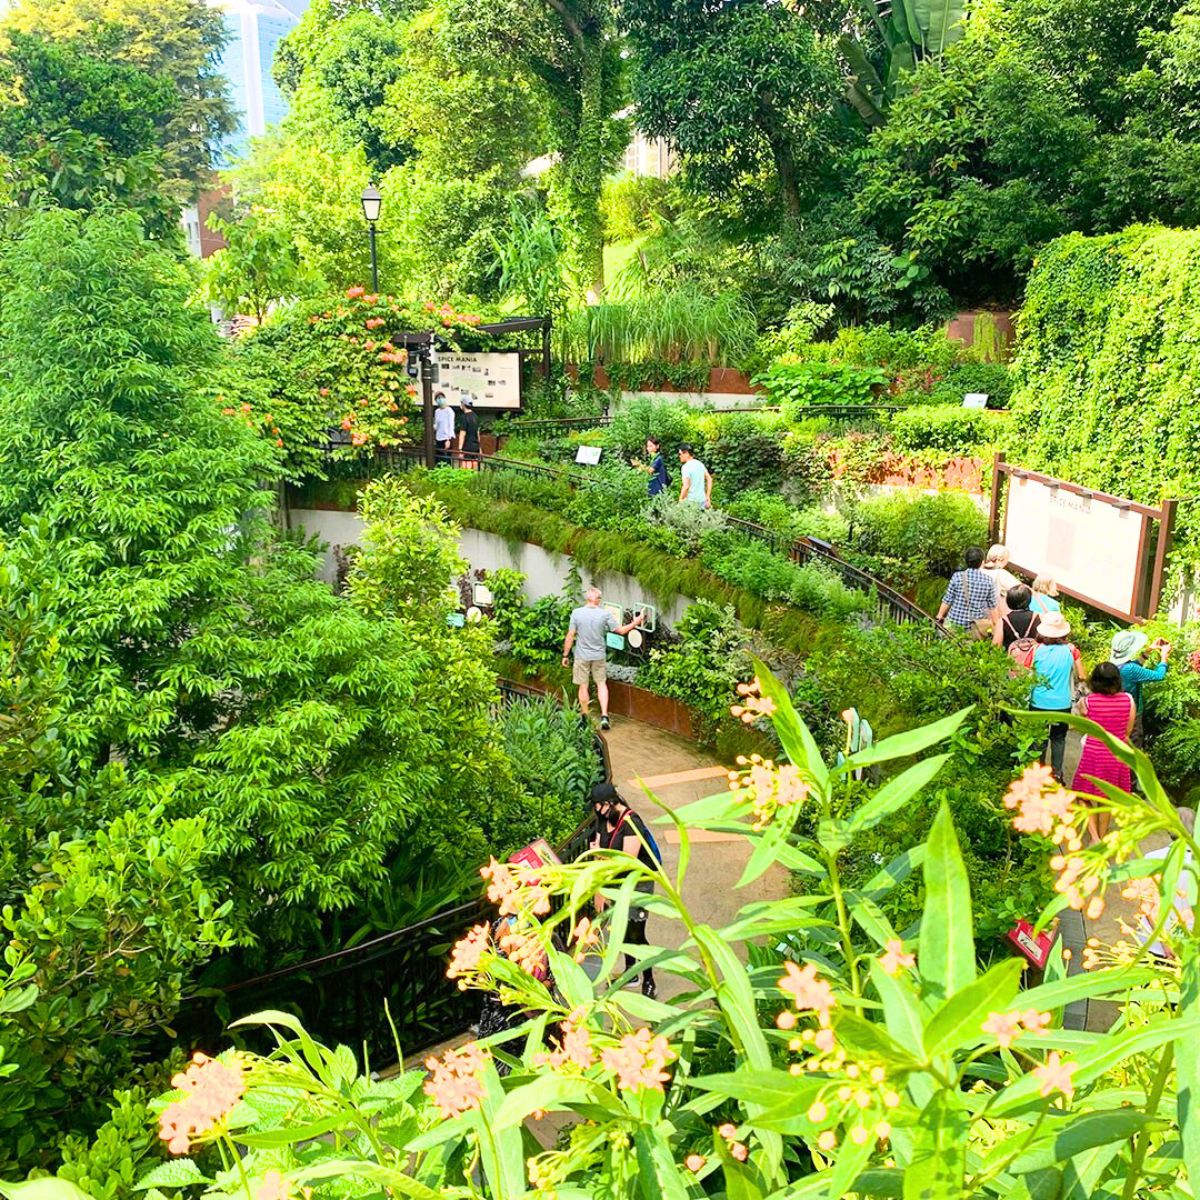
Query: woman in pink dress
{"points": [[1113, 710]]}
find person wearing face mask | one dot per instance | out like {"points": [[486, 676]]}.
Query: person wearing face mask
{"points": [[620, 828], [443, 429]]}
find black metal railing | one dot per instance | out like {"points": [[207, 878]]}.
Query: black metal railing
{"points": [[391, 989], [888, 603]]}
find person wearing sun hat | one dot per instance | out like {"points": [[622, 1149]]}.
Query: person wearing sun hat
{"points": [[1128, 648], [1055, 662]]}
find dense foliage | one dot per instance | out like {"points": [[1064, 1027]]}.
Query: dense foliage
{"points": [[1107, 366]]}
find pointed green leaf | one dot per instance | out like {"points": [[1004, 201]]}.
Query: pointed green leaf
{"points": [[896, 793], [957, 1024], [904, 745], [947, 946]]}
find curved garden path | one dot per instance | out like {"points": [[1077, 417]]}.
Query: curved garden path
{"points": [[678, 772]]}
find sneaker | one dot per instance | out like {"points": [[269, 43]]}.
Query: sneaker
{"points": [[648, 989], [604, 722]]}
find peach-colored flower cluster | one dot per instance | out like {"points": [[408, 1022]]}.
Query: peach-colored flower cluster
{"points": [[738, 1150], [895, 958], [1007, 1027], [755, 705], [1055, 1076], [524, 950], [575, 1045], [212, 1090], [512, 894], [859, 1102], [767, 787], [454, 1082], [1043, 806], [638, 1061], [467, 953], [809, 992], [276, 1186], [585, 935]]}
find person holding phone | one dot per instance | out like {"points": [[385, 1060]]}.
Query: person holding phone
{"points": [[1132, 652]]}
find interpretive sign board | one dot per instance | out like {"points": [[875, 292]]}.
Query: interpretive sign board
{"points": [[1096, 547], [588, 455], [493, 380]]}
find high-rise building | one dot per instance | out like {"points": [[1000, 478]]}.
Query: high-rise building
{"points": [[256, 27]]}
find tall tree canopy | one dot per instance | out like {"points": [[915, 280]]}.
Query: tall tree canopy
{"points": [[176, 41]]}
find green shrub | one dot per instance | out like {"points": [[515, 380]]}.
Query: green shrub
{"points": [[1108, 369], [993, 379], [742, 454], [797, 385], [907, 535], [637, 419], [551, 749], [703, 665], [948, 428], [628, 203], [772, 511]]}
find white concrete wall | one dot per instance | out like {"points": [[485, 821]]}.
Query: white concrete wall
{"points": [[544, 572]]}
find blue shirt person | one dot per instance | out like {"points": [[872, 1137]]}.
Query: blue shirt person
{"points": [[658, 469], [971, 601], [1127, 647], [697, 482]]}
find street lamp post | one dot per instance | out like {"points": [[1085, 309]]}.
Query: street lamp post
{"points": [[372, 202]]}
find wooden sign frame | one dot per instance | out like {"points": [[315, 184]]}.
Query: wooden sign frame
{"points": [[1150, 573]]}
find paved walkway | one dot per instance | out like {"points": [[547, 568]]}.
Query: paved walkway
{"points": [[678, 772]]}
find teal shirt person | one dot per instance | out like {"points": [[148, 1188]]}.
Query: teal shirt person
{"points": [[1127, 647]]}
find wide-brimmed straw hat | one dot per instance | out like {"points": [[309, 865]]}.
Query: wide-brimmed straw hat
{"points": [[1054, 625], [1127, 645]]}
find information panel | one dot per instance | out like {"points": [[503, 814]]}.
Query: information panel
{"points": [[494, 380], [1094, 549]]}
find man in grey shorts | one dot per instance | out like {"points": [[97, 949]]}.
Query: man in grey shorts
{"points": [[590, 624]]}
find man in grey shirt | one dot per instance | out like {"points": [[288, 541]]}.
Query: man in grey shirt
{"points": [[590, 625]]}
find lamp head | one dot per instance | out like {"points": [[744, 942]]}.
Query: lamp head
{"points": [[372, 202]]}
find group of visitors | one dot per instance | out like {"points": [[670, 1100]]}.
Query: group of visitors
{"points": [[987, 601], [695, 480], [456, 437]]}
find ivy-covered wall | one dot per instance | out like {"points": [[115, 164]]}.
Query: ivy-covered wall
{"points": [[1108, 371]]}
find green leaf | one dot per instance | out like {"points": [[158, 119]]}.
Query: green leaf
{"points": [[1082, 1133], [896, 793], [957, 1023], [658, 1176], [866, 1037], [946, 958], [175, 1173], [18, 1000], [939, 1159], [1086, 985], [795, 737], [556, 1093], [904, 745], [49, 1188], [1187, 1065], [392, 1178], [768, 1088]]}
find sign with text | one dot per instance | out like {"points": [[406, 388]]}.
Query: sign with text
{"points": [[588, 455], [493, 380], [1093, 547]]}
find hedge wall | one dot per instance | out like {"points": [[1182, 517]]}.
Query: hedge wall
{"points": [[1108, 369]]}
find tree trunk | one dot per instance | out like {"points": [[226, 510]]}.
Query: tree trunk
{"points": [[583, 167]]}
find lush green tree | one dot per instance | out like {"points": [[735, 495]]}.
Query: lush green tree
{"points": [[258, 265], [80, 130], [743, 92], [177, 41], [569, 50], [315, 740]]}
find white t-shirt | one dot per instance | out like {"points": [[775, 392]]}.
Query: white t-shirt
{"points": [[694, 471], [443, 424]]}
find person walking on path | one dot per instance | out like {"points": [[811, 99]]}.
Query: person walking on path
{"points": [[1113, 710], [996, 565], [1045, 596], [468, 433], [696, 482], [1055, 662], [1128, 649], [590, 625], [620, 828], [970, 602], [658, 469], [1018, 624], [443, 428]]}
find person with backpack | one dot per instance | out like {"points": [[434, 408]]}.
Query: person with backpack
{"points": [[620, 828], [1017, 628], [1055, 662]]}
